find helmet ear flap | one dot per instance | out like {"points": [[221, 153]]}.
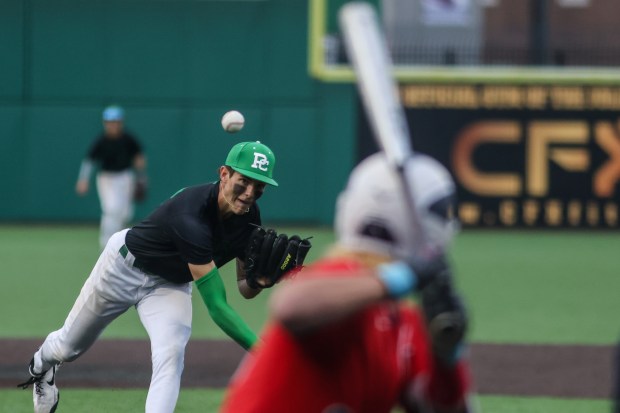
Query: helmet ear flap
{"points": [[378, 229], [444, 207]]}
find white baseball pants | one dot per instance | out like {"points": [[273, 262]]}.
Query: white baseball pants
{"points": [[115, 191], [114, 285]]}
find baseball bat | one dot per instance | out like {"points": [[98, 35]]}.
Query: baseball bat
{"points": [[368, 52]]}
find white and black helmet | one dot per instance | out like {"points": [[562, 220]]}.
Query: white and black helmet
{"points": [[372, 215]]}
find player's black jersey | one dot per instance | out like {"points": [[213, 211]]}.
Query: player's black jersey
{"points": [[187, 228], [115, 154]]}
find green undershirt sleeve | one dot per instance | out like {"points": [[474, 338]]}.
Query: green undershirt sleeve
{"points": [[213, 294]]}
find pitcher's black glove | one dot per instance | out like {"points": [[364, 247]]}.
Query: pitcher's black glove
{"points": [[445, 316], [270, 256]]}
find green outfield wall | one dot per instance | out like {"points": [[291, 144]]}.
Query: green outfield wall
{"points": [[176, 66], [528, 146]]}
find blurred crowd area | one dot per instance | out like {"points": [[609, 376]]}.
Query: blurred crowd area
{"points": [[502, 32]]}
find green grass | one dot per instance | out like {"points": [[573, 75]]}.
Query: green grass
{"points": [[208, 400], [47, 265], [521, 287], [541, 287], [110, 400], [493, 404]]}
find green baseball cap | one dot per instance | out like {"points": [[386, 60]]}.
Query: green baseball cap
{"points": [[254, 160]]}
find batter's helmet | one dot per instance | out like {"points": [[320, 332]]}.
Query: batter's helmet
{"points": [[372, 215]]}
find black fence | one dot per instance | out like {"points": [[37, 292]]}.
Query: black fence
{"points": [[583, 55]]}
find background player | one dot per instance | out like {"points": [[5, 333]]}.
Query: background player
{"points": [[122, 171], [339, 341], [151, 266]]}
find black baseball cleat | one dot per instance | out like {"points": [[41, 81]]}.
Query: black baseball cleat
{"points": [[45, 394]]}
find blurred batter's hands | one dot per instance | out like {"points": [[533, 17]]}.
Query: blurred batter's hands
{"points": [[446, 317]]}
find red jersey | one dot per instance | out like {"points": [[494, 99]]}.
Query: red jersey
{"points": [[360, 364]]}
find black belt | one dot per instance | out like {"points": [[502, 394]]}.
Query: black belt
{"points": [[136, 264]]}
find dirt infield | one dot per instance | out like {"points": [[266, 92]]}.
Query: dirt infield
{"points": [[519, 370]]}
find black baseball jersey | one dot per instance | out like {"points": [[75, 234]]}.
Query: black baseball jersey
{"points": [[187, 229], [114, 154]]}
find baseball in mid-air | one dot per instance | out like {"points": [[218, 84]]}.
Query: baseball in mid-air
{"points": [[233, 121]]}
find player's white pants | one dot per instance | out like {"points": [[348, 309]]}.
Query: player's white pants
{"points": [[115, 191], [113, 286]]}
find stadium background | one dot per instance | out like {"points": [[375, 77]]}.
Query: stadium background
{"points": [[178, 65]]}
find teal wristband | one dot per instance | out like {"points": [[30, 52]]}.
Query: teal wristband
{"points": [[456, 355], [398, 278]]}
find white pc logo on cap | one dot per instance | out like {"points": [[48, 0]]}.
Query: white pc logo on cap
{"points": [[260, 161]]}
